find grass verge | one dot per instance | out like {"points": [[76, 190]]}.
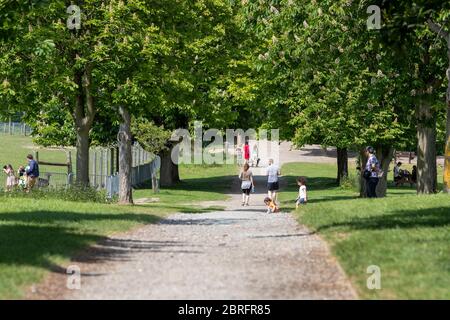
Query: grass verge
{"points": [[406, 235]]}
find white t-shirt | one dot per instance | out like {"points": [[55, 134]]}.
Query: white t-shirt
{"points": [[272, 172], [302, 192]]}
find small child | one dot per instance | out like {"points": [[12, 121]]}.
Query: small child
{"points": [[11, 178], [22, 177], [271, 205], [302, 197]]}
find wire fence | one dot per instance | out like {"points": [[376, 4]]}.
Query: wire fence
{"points": [[15, 129]]}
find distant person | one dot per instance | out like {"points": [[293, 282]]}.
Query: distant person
{"points": [[239, 155], [272, 172], [255, 157], [271, 205], [247, 184], [32, 172], [302, 196], [397, 173], [11, 181], [414, 175], [371, 173], [246, 152], [22, 176]]}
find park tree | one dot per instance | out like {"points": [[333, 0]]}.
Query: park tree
{"points": [[171, 66], [339, 81]]}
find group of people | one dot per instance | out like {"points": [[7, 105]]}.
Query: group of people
{"points": [[25, 178], [402, 176], [373, 172], [244, 155], [271, 201]]}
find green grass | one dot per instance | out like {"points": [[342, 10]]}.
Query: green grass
{"points": [[407, 236], [199, 183], [14, 150], [37, 236]]}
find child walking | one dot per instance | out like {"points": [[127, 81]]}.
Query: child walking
{"points": [[302, 194]]}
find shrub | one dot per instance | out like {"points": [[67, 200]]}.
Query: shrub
{"points": [[72, 193]]}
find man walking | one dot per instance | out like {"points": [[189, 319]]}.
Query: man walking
{"points": [[272, 172], [32, 172]]}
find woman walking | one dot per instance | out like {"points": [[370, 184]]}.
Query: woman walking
{"points": [[247, 152], [371, 173], [247, 184]]}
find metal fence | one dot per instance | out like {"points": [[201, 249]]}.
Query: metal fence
{"points": [[15, 128], [139, 174]]}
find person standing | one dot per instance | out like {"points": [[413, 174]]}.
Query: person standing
{"points": [[272, 172], [247, 184], [371, 173], [302, 195], [255, 159], [32, 172], [246, 152], [11, 180]]}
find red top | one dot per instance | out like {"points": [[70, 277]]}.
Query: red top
{"points": [[247, 152]]}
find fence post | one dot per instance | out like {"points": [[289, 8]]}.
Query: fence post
{"points": [[94, 168]]}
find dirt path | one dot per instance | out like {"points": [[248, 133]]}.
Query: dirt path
{"points": [[239, 253]]}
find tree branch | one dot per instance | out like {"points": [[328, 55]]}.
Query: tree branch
{"points": [[438, 29]]}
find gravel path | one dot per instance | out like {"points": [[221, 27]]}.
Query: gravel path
{"points": [[239, 253]]}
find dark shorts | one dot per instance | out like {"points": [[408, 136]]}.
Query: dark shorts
{"points": [[273, 186]]}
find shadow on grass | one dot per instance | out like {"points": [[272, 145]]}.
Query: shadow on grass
{"points": [[401, 219], [218, 184], [188, 208], [45, 217], [313, 183], [23, 244]]}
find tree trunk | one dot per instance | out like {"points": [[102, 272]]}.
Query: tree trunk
{"points": [[384, 156], [426, 149], [342, 164], [169, 174], [362, 164], [441, 32], [83, 144], [83, 114], [125, 159]]}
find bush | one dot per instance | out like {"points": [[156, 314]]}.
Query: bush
{"points": [[350, 183]]}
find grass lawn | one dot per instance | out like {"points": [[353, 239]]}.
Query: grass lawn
{"points": [[405, 235], [14, 150]]}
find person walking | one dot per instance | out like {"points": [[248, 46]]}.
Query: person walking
{"points": [[272, 172], [32, 172], [246, 152], [247, 184], [371, 173], [255, 158]]}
